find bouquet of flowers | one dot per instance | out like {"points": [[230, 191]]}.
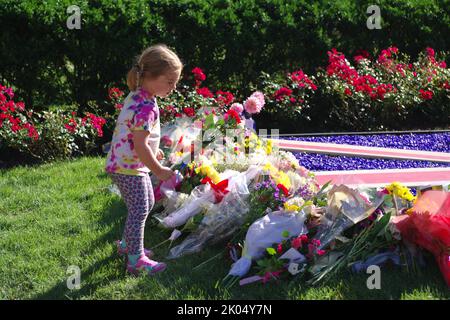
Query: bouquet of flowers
{"points": [[428, 226]]}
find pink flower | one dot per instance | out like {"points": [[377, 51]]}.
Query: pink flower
{"points": [[296, 243], [443, 65], [20, 105], [198, 124], [10, 92], [279, 248], [358, 58], [166, 141], [393, 50], [430, 52], [302, 171], [348, 92], [260, 96], [252, 105], [320, 252], [237, 107]]}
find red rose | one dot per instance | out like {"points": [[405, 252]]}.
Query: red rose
{"points": [[190, 112], [205, 92], [224, 98], [115, 93], [358, 58], [232, 114], [426, 94], [198, 74], [282, 92]]}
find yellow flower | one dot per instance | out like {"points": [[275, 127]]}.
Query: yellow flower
{"points": [[277, 175], [246, 142], [283, 178], [291, 207], [269, 167], [258, 144], [191, 165], [210, 172], [399, 190], [269, 147]]}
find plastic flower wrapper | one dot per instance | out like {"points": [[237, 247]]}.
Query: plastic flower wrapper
{"points": [[167, 188], [199, 199], [345, 208], [397, 196], [284, 161], [428, 226], [368, 242], [221, 220], [263, 233], [176, 139]]}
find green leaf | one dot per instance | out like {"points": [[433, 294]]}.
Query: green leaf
{"points": [[209, 121], [285, 234], [271, 251]]}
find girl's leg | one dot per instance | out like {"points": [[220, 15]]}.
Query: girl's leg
{"points": [[134, 190], [137, 192]]}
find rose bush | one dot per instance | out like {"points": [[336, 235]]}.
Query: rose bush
{"points": [[46, 135]]}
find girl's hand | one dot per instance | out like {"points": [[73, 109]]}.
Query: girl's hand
{"points": [[159, 155], [164, 173]]}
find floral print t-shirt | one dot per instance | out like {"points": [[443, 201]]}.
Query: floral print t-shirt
{"points": [[139, 113]]}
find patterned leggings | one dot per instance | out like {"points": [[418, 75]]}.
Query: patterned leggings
{"points": [[137, 192]]}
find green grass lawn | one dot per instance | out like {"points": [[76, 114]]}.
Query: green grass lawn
{"points": [[62, 214]]}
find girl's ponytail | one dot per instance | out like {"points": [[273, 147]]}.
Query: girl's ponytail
{"points": [[133, 77]]}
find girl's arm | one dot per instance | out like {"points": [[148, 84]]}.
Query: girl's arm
{"points": [[145, 154]]}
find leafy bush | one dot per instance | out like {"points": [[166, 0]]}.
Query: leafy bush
{"points": [[388, 92], [232, 40], [46, 135]]}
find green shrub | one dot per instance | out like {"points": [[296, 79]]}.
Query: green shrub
{"points": [[46, 135], [232, 40]]}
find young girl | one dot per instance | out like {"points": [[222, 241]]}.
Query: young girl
{"points": [[135, 149]]}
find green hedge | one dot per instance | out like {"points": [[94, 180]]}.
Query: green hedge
{"points": [[231, 40]]}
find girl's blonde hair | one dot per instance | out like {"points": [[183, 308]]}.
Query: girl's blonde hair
{"points": [[153, 62]]}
